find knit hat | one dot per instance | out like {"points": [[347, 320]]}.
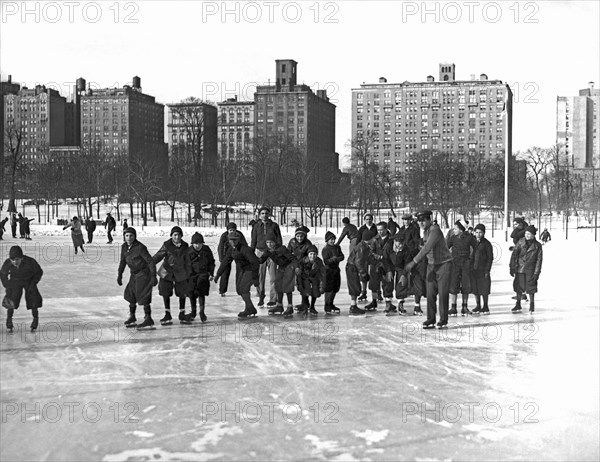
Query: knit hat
{"points": [[15, 252], [270, 237], [481, 227], [302, 229], [383, 223], [532, 229], [312, 248], [197, 238], [400, 236], [231, 225], [346, 220], [264, 208], [367, 235], [235, 236], [329, 235], [407, 216], [460, 226], [176, 229], [130, 230]]}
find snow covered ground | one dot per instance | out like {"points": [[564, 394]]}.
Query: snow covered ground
{"points": [[510, 387]]}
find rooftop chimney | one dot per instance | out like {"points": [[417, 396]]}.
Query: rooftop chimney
{"points": [[483, 77], [382, 80], [430, 78], [590, 84], [10, 78]]}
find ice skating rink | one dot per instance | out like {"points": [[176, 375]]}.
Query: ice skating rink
{"points": [[498, 387]]}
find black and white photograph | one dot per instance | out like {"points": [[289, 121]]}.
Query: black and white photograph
{"points": [[299, 230]]}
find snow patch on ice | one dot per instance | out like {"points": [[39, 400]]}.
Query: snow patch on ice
{"points": [[214, 435], [141, 434], [159, 454], [371, 436], [442, 423], [321, 446], [148, 409]]}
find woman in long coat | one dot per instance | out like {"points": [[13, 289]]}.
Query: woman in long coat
{"points": [[526, 266], [76, 234]]}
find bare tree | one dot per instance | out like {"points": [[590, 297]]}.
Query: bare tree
{"points": [[14, 159], [144, 181]]}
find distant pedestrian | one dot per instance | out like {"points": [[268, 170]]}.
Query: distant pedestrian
{"points": [[21, 221], [2, 230], [13, 225], [27, 227], [90, 227], [20, 273], [526, 266], [76, 234], [110, 225], [545, 236]]}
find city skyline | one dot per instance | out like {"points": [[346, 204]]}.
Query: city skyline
{"points": [[101, 43]]}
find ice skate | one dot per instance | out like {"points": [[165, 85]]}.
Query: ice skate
{"points": [[371, 306], [452, 311], [9, 325], [183, 318], [429, 325], [332, 309], [147, 324], [131, 321], [485, 310], [401, 310], [418, 311], [276, 310], [362, 297], [531, 308], [271, 304], [442, 324], [249, 312], [34, 325], [167, 320], [379, 297], [517, 308], [313, 312], [203, 317], [477, 310], [289, 312], [355, 310], [465, 311], [261, 301], [222, 295], [390, 310], [191, 316]]}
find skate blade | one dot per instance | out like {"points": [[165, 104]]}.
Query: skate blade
{"points": [[391, 314], [139, 328], [168, 323], [130, 326]]}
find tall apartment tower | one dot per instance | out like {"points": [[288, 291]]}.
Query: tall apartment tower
{"points": [[460, 117], [577, 127], [40, 115], [192, 127], [122, 121], [294, 111], [235, 129]]}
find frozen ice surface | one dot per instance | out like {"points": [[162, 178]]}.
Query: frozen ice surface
{"points": [[498, 387]]}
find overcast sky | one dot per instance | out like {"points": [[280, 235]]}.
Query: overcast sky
{"points": [[213, 50]]}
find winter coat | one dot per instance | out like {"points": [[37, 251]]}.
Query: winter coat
{"points": [[482, 258], [545, 236], [224, 245], [392, 227], [460, 245], [378, 245], [203, 266], [517, 234], [246, 264], [90, 225], [142, 273], [435, 248], [260, 230], [110, 223], [177, 262], [527, 258], [349, 230], [332, 256], [76, 233], [2, 223], [300, 250], [359, 258], [26, 276], [312, 277], [412, 235], [362, 229], [284, 273]]}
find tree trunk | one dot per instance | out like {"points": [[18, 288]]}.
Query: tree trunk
{"points": [[172, 211]]}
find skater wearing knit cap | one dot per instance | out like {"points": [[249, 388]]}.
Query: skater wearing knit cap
{"points": [[246, 271], [142, 278], [526, 266], [299, 245], [174, 273], [285, 262], [357, 270], [20, 273], [461, 245], [222, 249], [332, 256], [482, 258], [202, 264], [312, 278], [260, 229]]}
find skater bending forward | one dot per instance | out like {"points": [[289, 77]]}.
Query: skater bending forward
{"points": [[332, 256], [312, 278], [21, 273], [203, 270], [142, 278], [246, 269]]}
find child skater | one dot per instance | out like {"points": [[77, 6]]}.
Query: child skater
{"points": [[203, 269], [142, 278], [526, 266], [21, 273], [312, 278], [332, 256]]}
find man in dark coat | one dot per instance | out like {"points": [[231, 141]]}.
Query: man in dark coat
{"points": [[368, 225], [392, 227], [203, 269], [377, 270], [461, 244], [174, 273], [142, 278], [21, 221], [349, 230], [262, 227], [246, 271], [222, 249], [412, 234], [2, 230], [518, 233], [90, 227], [13, 225], [21, 273], [526, 266], [482, 258], [439, 263], [332, 256], [110, 224]]}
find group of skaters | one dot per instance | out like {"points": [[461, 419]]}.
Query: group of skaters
{"points": [[17, 221], [412, 260]]}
